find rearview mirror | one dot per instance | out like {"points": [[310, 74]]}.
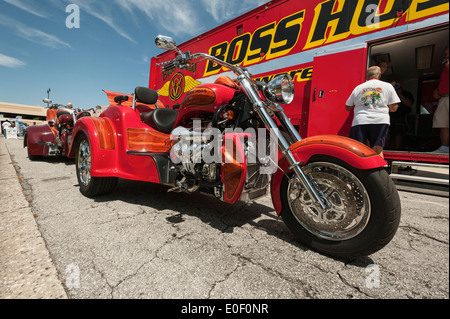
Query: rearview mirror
{"points": [[165, 43]]}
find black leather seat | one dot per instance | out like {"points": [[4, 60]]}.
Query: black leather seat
{"points": [[162, 120]]}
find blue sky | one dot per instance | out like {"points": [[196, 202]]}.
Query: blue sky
{"points": [[110, 50]]}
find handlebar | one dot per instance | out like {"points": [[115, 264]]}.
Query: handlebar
{"points": [[182, 61]]}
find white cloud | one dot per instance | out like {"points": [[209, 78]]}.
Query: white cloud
{"points": [[10, 62], [217, 9], [26, 7], [177, 18], [223, 11], [188, 17], [174, 16], [41, 37], [33, 35], [101, 10]]}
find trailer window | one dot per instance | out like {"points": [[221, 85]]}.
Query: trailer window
{"points": [[239, 29]]}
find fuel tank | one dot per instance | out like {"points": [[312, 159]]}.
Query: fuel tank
{"points": [[65, 119], [204, 99]]}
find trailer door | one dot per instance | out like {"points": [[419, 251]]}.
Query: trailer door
{"points": [[335, 75]]}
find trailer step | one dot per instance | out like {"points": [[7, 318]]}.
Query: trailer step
{"points": [[426, 173], [420, 179], [402, 163]]}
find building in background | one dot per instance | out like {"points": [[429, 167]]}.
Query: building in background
{"points": [[28, 114]]}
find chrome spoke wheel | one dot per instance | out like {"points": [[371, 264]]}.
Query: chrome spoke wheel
{"points": [[348, 202], [84, 162]]}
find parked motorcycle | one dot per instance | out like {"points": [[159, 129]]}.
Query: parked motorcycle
{"points": [[54, 137], [332, 192]]}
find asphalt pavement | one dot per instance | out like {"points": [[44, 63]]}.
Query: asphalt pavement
{"points": [[142, 242], [26, 267]]}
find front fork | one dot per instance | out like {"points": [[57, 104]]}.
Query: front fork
{"points": [[283, 144]]}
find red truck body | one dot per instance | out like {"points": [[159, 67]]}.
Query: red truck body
{"points": [[326, 47]]}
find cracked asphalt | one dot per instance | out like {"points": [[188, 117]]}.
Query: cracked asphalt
{"points": [[142, 242]]}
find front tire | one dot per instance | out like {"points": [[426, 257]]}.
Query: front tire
{"points": [[90, 186], [363, 214]]}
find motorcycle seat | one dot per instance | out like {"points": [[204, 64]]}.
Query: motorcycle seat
{"points": [[162, 120]]}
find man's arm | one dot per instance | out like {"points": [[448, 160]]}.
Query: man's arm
{"points": [[406, 98], [349, 108], [393, 107]]}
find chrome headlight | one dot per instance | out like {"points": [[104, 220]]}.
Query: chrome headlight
{"points": [[280, 89]]}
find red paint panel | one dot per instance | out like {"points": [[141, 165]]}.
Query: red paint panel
{"points": [[334, 78]]}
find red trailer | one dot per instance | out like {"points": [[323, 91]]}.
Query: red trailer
{"points": [[326, 46]]}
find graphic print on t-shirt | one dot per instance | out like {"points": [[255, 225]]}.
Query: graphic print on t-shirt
{"points": [[371, 97]]}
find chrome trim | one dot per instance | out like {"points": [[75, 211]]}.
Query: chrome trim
{"points": [[249, 87], [282, 143], [84, 163], [349, 207], [286, 123]]}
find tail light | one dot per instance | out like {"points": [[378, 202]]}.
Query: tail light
{"points": [[105, 133]]}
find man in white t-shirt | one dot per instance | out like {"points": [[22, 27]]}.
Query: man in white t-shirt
{"points": [[372, 101], [6, 125]]}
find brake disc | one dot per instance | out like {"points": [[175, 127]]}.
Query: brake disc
{"points": [[343, 206]]}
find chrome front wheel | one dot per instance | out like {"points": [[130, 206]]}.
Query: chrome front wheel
{"points": [[348, 204], [362, 214]]}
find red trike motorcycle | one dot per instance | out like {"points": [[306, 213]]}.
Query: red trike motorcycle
{"points": [[54, 137], [332, 192]]}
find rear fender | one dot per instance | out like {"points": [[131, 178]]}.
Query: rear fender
{"points": [[348, 150], [102, 139], [110, 153], [35, 138]]}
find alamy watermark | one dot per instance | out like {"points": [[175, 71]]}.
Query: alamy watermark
{"points": [[73, 19], [212, 146], [373, 277], [72, 277], [372, 20]]}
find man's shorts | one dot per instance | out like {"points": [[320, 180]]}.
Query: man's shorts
{"points": [[375, 133], [440, 118]]}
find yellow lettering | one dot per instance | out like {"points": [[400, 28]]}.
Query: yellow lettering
{"points": [[267, 42], [424, 8], [283, 47], [373, 18], [220, 51], [331, 25], [261, 40]]}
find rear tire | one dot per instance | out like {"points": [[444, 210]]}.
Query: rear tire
{"points": [[364, 215], [34, 157], [90, 186]]}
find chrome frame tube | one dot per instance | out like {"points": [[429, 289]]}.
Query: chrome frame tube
{"points": [[287, 125], [282, 143], [248, 86]]}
